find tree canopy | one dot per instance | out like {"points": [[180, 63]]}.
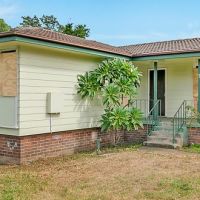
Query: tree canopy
{"points": [[50, 22], [4, 26]]}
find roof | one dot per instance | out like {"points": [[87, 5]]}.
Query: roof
{"points": [[56, 37], [137, 50], [164, 47]]}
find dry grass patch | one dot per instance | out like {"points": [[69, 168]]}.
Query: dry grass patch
{"points": [[123, 173]]}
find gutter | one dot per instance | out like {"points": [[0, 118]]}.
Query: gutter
{"points": [[56, 45], [167, 56]]}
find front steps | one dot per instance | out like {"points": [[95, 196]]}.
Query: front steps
{"points": [[162, 136]]}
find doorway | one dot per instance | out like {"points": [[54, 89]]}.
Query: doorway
{"points": [[160, 89]]}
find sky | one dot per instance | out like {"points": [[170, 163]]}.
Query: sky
{"points": [[116, 22]]}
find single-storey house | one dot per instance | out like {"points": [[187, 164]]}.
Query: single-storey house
{"points": [[41, 114]]}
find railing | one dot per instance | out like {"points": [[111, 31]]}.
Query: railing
{"points": [[180, 117], [153, 117], [143, 105]]}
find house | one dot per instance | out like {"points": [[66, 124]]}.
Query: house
{"points": [[40, 112]]}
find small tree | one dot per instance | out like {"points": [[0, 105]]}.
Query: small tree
{"points": [[115, 82]]}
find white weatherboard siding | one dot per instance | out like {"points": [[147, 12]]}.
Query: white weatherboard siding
{"points": [[43, 71], [179, 82]]}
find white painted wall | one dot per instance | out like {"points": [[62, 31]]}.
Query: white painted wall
{"points": [[43, 71], [179, 83]]}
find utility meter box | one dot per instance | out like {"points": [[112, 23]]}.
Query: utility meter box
{"points": [[55, 102]]}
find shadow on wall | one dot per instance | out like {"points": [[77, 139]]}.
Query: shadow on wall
{"points": [[90, 111], [89, 116]]}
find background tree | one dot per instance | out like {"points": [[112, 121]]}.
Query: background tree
{"points": [[31, 21], [50, 22], [4, 26], [76, 30], [114, 81]]}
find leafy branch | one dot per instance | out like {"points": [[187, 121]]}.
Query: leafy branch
{"points": [[114, 81]]}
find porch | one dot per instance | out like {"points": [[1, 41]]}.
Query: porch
{"points": [[169, 93]]}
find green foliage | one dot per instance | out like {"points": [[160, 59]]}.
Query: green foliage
{"points": [[115, 119], [113, 81], [193, 115], [88, 87], [77, 30], [111, 96], [134, 119], [121, 118], [4, 26], [194, 148], [51, 22], [31, 21]]}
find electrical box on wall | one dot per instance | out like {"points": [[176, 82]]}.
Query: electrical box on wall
{"points": [[55, 102]]}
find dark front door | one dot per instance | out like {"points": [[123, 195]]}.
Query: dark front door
{"points": [[160, 89]]}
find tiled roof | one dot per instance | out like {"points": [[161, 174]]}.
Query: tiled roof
{"points": [[138, 50], [56, 37], [164, 48]]}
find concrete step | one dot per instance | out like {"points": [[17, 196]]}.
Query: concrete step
{"points": [[162, 133], [167, 128], [165, 123], [169, 145], [178, 141], [160, 140], [162, 136]]}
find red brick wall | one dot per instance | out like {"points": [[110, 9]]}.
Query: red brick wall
{"points": [[9, 149], [55, 144], [29, 148], [194, 135], [137, 136]]}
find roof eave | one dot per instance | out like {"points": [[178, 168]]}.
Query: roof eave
{"points": [[58, 45], [185, 54]]}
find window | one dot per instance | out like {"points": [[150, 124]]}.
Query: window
{"points": [[8, 89]]}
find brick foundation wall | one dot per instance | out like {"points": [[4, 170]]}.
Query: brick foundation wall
{"points": [[9, 149], [137, 136], [194, 135], [56, 144], [29, 148]]}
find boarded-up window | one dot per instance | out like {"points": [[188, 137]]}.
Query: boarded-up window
{"points": [[8, 90], [8, 74]]}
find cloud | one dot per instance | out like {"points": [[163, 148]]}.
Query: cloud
{"points": [[8, 9]]}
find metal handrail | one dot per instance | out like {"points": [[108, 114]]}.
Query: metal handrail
{"points": [[179, 119], [142, 104], [153, 117]]}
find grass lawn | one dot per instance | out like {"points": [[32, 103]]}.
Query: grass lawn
{"points": [[119, 174]]}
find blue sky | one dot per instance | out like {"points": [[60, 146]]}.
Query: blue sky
{"points": [[117, 22]]}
